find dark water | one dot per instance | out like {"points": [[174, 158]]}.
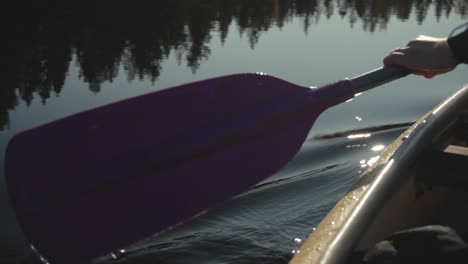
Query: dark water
{"points": [[62, 57]]}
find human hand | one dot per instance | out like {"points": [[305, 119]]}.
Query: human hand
{"points": [[428, 56]]}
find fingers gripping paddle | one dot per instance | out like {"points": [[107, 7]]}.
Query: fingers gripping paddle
{"points": [[99, 180]]}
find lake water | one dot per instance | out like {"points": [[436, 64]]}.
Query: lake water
{"points": [[63, 58]]}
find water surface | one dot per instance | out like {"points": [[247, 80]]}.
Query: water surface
{"points": [[63, 58]]}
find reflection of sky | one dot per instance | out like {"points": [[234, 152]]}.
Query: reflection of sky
{"points": [[329, 51]]}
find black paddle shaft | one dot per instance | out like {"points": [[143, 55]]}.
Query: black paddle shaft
{"points": [[378, 77]]}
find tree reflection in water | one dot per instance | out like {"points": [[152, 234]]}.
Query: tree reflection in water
{"points": [[41, 37]]}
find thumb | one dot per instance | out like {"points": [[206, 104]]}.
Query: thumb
{"points": [[397, 58]]}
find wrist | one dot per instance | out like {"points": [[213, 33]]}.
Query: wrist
{"points": [[458, 43], [448, 53]]}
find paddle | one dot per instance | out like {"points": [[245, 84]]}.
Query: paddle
{"points": [[99, 180]]}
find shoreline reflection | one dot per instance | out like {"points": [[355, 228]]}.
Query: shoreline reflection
{"points": [[106, 35]]}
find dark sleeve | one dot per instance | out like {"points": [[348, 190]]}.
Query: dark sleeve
{"points": [[458, 43]]}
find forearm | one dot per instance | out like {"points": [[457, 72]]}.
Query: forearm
{"points": [[458, 43]]}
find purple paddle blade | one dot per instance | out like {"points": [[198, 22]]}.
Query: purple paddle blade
{"points": [[102, 179]]}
